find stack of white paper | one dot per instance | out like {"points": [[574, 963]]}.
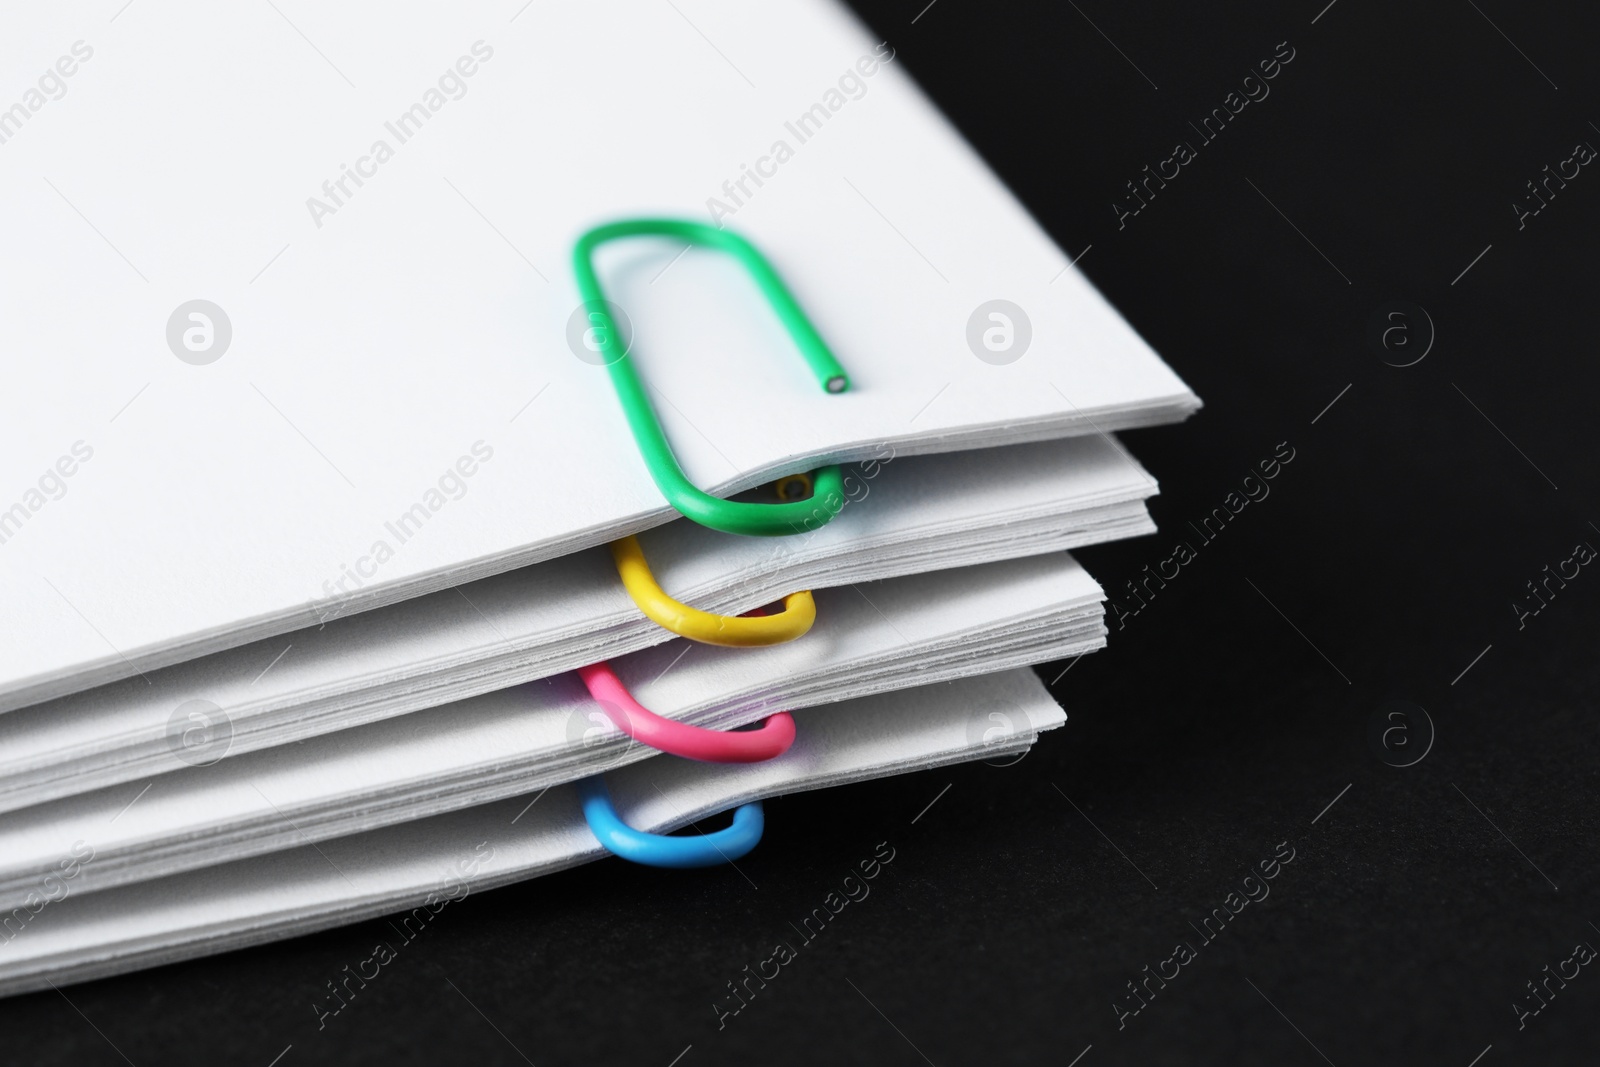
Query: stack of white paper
{"points": [[303, 580], [916, 630], [921, 513], [427, 862]]}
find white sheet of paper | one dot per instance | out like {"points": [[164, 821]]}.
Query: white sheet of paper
{"points": [[429, 863], [868, 639], [405, 354]]}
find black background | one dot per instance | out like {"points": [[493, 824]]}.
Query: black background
{"points": [[1228, 713]]}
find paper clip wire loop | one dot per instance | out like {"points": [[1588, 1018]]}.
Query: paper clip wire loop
{"points": [[771, 740], [728, 516], [731, 631], [659, 850]]}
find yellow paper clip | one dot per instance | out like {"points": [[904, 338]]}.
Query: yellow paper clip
{"points": [[733, 631]]}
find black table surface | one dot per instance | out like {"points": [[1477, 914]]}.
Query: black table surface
{"points": [[1348, 685]]}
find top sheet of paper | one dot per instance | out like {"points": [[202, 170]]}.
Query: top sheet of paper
{"points": [[378, 203]]}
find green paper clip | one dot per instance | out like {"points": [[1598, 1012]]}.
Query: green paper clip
{"points": [[726, 515]]}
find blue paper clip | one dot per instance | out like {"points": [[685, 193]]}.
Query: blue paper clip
{"points": [[659, 850]]}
